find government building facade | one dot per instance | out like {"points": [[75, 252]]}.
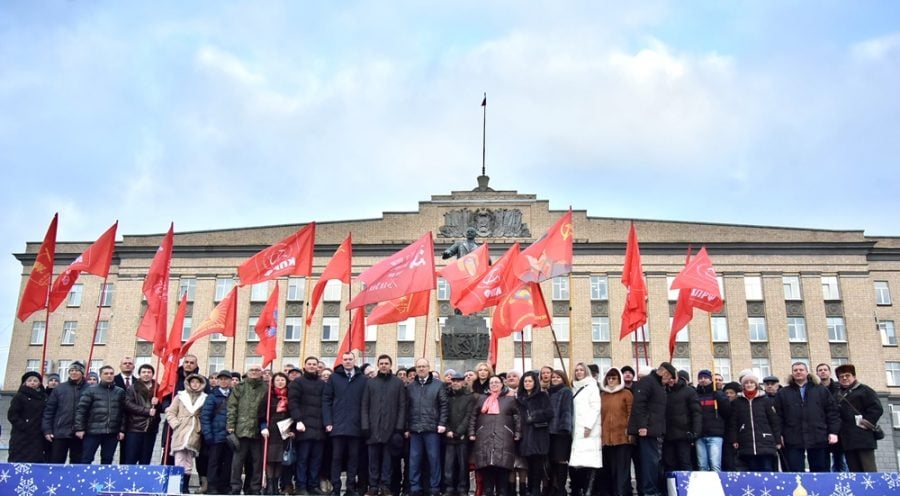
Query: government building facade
{"points": [[791, 294]]}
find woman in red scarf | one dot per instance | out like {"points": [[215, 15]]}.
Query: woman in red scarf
{"points": [[277, 404], [754, 427], [495, 430]]}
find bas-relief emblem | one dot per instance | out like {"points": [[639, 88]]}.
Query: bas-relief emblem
{"points": [[488, 223]]}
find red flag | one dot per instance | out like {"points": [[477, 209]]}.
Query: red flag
{"points": [[156, 290], [700, 277], [172, 352], [338, 268], [465, 271], [635, 313], [223, 320], [684, 312], [355, 339], [267, 329], [519, 308], [37, 289], [550, 256], [400, 309], [410, 270], [492, 286], [95, 260], [292, 256]]}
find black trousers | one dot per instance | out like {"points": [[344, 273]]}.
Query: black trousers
{"points": [[73, 447], [250, 449], [677, 455], [495, 481], [218, 471], [617, 464], [344, 448], [456, 468], [537, 474]]}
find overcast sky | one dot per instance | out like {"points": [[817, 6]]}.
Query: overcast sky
{"points": [[229, 114]]}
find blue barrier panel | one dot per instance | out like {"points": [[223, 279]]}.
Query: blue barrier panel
{"points": [[781, 483], [41, 479]]}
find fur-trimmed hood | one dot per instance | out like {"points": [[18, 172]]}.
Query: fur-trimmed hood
{"points": [[617, 388]]}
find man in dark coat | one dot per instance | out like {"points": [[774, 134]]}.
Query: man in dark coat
{"points": [[460, 402], [427, 422], [99, 418], [838, 460], [341, 415], [383, 416], [683, 423], [648, 425], [214, 427], [860, 410], [715, 410], [59, 417], [305, 405], [809, 421], [141, 418]]}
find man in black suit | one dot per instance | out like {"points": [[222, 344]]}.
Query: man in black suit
{"points": [[125, 378]]}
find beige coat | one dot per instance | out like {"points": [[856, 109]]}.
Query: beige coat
{"points": [[184, 419]]}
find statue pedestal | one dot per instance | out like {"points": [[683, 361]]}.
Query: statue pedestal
{"points": [[465, 342]]}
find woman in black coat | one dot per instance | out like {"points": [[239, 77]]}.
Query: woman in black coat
{"points": [[494, 428], [26, 442], [560, 432], [536, 413], [754, 427]]}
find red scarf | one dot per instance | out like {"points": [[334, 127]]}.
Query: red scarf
{"points": [[750, 394], [491, 404], [281, 396]]}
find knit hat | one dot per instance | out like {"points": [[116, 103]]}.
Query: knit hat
{"points": [[53, 377], [749, 376], [704, 373], [94, 375], [77, 366], [683, 374], [627, 368], [733, 386], [669, 368], [31, 373]]}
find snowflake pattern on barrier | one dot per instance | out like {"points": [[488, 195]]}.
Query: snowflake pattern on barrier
{"points": [[779, 483], [24, 479]]}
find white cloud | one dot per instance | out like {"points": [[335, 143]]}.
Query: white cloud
{"points": [[876, 49]]}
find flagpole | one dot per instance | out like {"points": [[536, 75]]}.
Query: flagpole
{"points": [[713, 353], [362, 352], [96, 322], [484, 134], [268, 419], [234, 342], [425, 342], [305, 337], [437, 321], [46, 331], [571, 328]]}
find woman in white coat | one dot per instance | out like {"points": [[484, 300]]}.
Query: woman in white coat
{"points": [[586, 454]]}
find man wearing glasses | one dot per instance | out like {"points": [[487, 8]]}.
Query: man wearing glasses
{"points": [[243, 415]]}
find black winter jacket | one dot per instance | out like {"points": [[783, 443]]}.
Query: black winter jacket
{"points": [[648, 411], [427, 405], [683, 421], [807, 423], [715, 410], [305, 405], [535, 414], [137, 409], [754, 425], [459, 406], [383, 408], [101, 410], [214, 417], [341, 401], [26, 410], [59, 415], [561, 403], [858, 399]]}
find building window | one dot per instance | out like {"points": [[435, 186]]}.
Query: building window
{"points": [[882, 293], [102, 333], [719, 329], [333, 290], [106, 295], [37, 332], [599, 288], [723, 367], [406, 330], [293, 329], [673, 293], [443, 289], [888, 333], [68, 334], [761, 367], [223, 286], [295, 288], [371, 333], [758, 329], [216, 363], [186, 327], [251, 329], [892, 373], [804, 361], [602, 363], [259, 291], [187, 286], [600, 329], [142, 360], [75, 295], [838, 361], [331, 328], [252, 360], [796, 329], [837, 333], [217, 337], [641, 334], [404, 362], [32, 365], [561, 326], [830, 288], [721, 282], [683, 364], [95, 366], [792, 288], [753, 288], [560, 288], [62, 368], [517, 336], [682, 336], [895, 415]]}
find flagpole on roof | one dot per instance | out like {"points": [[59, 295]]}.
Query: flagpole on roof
{"points": [[483, 133]]}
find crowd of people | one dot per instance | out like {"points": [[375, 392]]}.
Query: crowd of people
{"points": [[378, 431]]}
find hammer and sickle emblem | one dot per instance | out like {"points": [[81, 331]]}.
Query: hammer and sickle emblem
{"points": [[565, 230], [418, 259]]}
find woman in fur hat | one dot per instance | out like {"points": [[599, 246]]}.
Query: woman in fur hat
{"points": [[26, 443], [183, 416]]}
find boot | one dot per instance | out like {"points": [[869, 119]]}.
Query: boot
{"points": [[185, 483], [204, 484]]}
